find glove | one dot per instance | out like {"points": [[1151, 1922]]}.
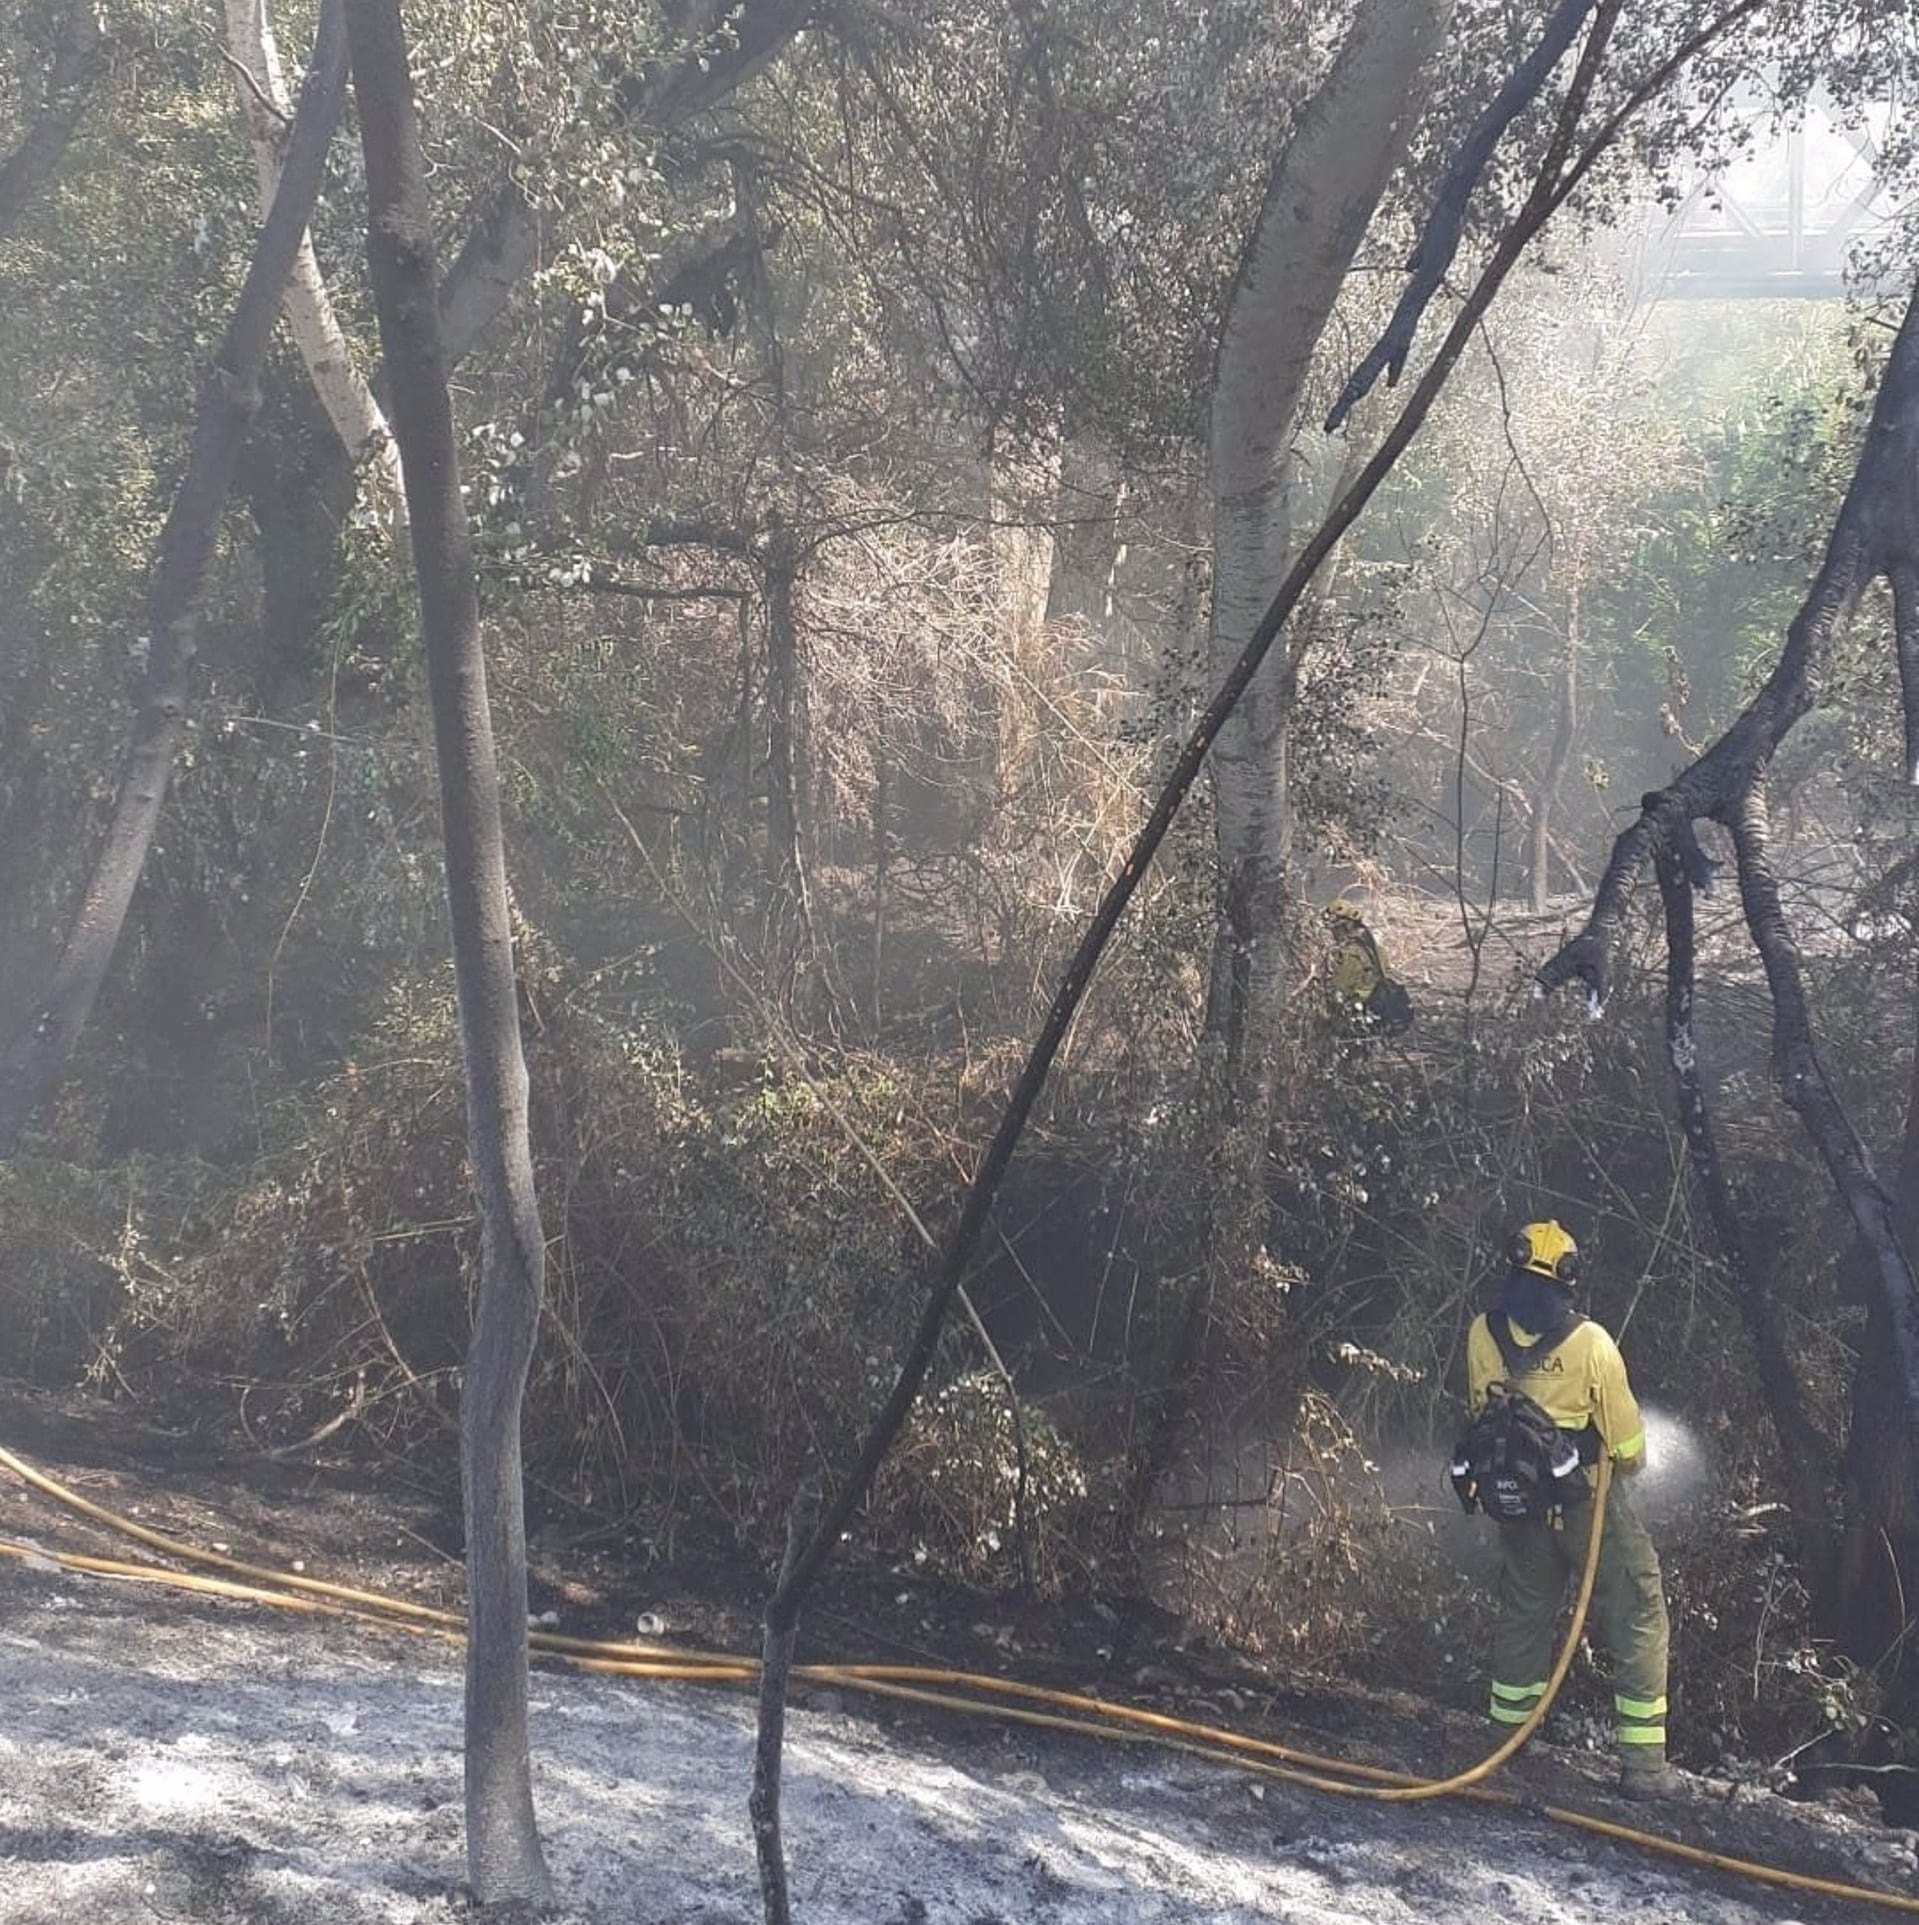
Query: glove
{"points": [[1462, 1481]]}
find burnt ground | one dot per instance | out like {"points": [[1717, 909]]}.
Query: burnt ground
{"points": [[372, 1530]]}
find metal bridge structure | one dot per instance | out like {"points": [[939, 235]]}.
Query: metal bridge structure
{"points": [[1784, 222]]}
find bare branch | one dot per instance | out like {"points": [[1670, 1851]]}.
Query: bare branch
{"points": [[1440, 241]]}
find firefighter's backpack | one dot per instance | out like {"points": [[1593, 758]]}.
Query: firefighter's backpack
{"points": [[1386, 1007], [1389, 1008], [1514, 1463]]}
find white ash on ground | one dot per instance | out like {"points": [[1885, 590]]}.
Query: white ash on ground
{"points": [[215, 1764]]}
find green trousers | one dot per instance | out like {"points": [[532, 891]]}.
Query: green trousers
{"points": [[1536, 1566]]}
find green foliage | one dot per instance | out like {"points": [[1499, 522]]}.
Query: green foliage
{"points": [[85, 1251]]}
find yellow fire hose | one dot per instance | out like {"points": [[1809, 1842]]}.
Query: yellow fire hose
{"points": [[1001, 1698]]}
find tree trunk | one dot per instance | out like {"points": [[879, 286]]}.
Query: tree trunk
{"points": [[782, 720], [776, 1663], [39, 1053], [76, 66], [342, 389], [1879, 1555], [1321, 195], [1749, 1250], [504, 1860], [1079, 586], [794, 960], [882, 770]]}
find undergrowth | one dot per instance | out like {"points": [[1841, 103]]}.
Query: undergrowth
{"points": [[730, 1284]]}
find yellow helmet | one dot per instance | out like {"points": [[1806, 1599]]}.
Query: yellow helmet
{"points": [[1340, 910], [1547, 1251]]}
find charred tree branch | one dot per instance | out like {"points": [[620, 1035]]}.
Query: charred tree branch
{"points": [[1802, 1451], [1808, 1091], [1440, 241]]}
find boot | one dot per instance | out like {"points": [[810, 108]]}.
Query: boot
{"points": [[1645, 1776]]}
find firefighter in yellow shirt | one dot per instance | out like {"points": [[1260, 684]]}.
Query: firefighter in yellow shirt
{"points": [[1367, 999], [1572, 1369]]}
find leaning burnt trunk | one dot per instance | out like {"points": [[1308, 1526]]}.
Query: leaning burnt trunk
{"points": [[36, 1057], [1879, 1554]]}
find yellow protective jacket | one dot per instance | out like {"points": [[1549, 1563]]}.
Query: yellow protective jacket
{"points": [[1358, 968], [1582, 1383]]}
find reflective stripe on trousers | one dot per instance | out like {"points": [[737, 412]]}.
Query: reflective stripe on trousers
{"points": [[1641, 1721], [1536, 1565], [1513, 1703]]}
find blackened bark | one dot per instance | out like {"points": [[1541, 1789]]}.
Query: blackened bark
{"points": [[1439, 241], [1879, 1559], [77, 63], [1803, 1454], [1903, 574], [228, 399], [776, 1662], [504, 1860]]}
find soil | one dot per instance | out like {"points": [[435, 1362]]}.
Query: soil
{"points": [[167, 1757]]}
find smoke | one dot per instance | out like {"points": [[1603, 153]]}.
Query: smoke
{"points": [[1676, 1468], [1412, 1479]]}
